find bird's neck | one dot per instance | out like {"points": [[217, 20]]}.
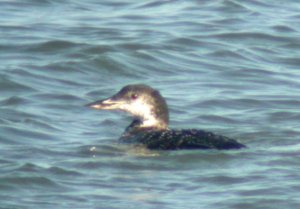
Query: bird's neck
{"points": [[138, 125]]}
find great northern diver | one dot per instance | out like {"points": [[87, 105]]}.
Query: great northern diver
{"points": [[150, 123]]}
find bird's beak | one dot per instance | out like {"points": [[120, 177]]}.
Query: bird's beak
{"points": [[106, 104]]}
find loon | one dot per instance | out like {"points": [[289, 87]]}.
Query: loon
{"points": [[150, 122]]}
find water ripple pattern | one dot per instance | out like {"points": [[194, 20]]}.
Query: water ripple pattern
{"points": [[227, 66]]}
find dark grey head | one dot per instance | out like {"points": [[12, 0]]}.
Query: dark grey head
{"points": [[143, 102]]}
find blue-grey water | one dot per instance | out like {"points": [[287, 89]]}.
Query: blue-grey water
{"points": [[226, 66]]}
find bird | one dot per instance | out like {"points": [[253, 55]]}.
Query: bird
{"points": [[150, 124]]}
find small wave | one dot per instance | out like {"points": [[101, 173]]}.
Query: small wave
{"points": [[14, 101], [30, 181], [53, 46], [253, 36], [10, 86]]}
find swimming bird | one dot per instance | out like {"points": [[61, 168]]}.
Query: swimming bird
{"points": [[150, 122]]}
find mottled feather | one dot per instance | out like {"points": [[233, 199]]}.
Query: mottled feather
{"points": [[181, 139]]}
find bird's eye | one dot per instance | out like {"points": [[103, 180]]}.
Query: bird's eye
{"points": [[134, 96]]}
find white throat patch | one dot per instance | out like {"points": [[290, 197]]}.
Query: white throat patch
{"points": [[142, 110]]}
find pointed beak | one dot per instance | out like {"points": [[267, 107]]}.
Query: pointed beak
{"points": [[106, 104]]}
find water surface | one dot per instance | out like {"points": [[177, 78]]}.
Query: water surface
{"points": [[225, 66]]}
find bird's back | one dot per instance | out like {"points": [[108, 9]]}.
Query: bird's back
{"points": [[181, 139]]}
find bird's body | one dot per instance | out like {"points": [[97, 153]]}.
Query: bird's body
{"points": [[150, 125], [180, 139]]}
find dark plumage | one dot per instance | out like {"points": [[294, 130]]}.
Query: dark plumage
{"points": [[150, 124], [181, 139]]}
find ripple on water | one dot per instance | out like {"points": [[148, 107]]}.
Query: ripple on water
{"points": [[10, 87], [28, 182]]}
